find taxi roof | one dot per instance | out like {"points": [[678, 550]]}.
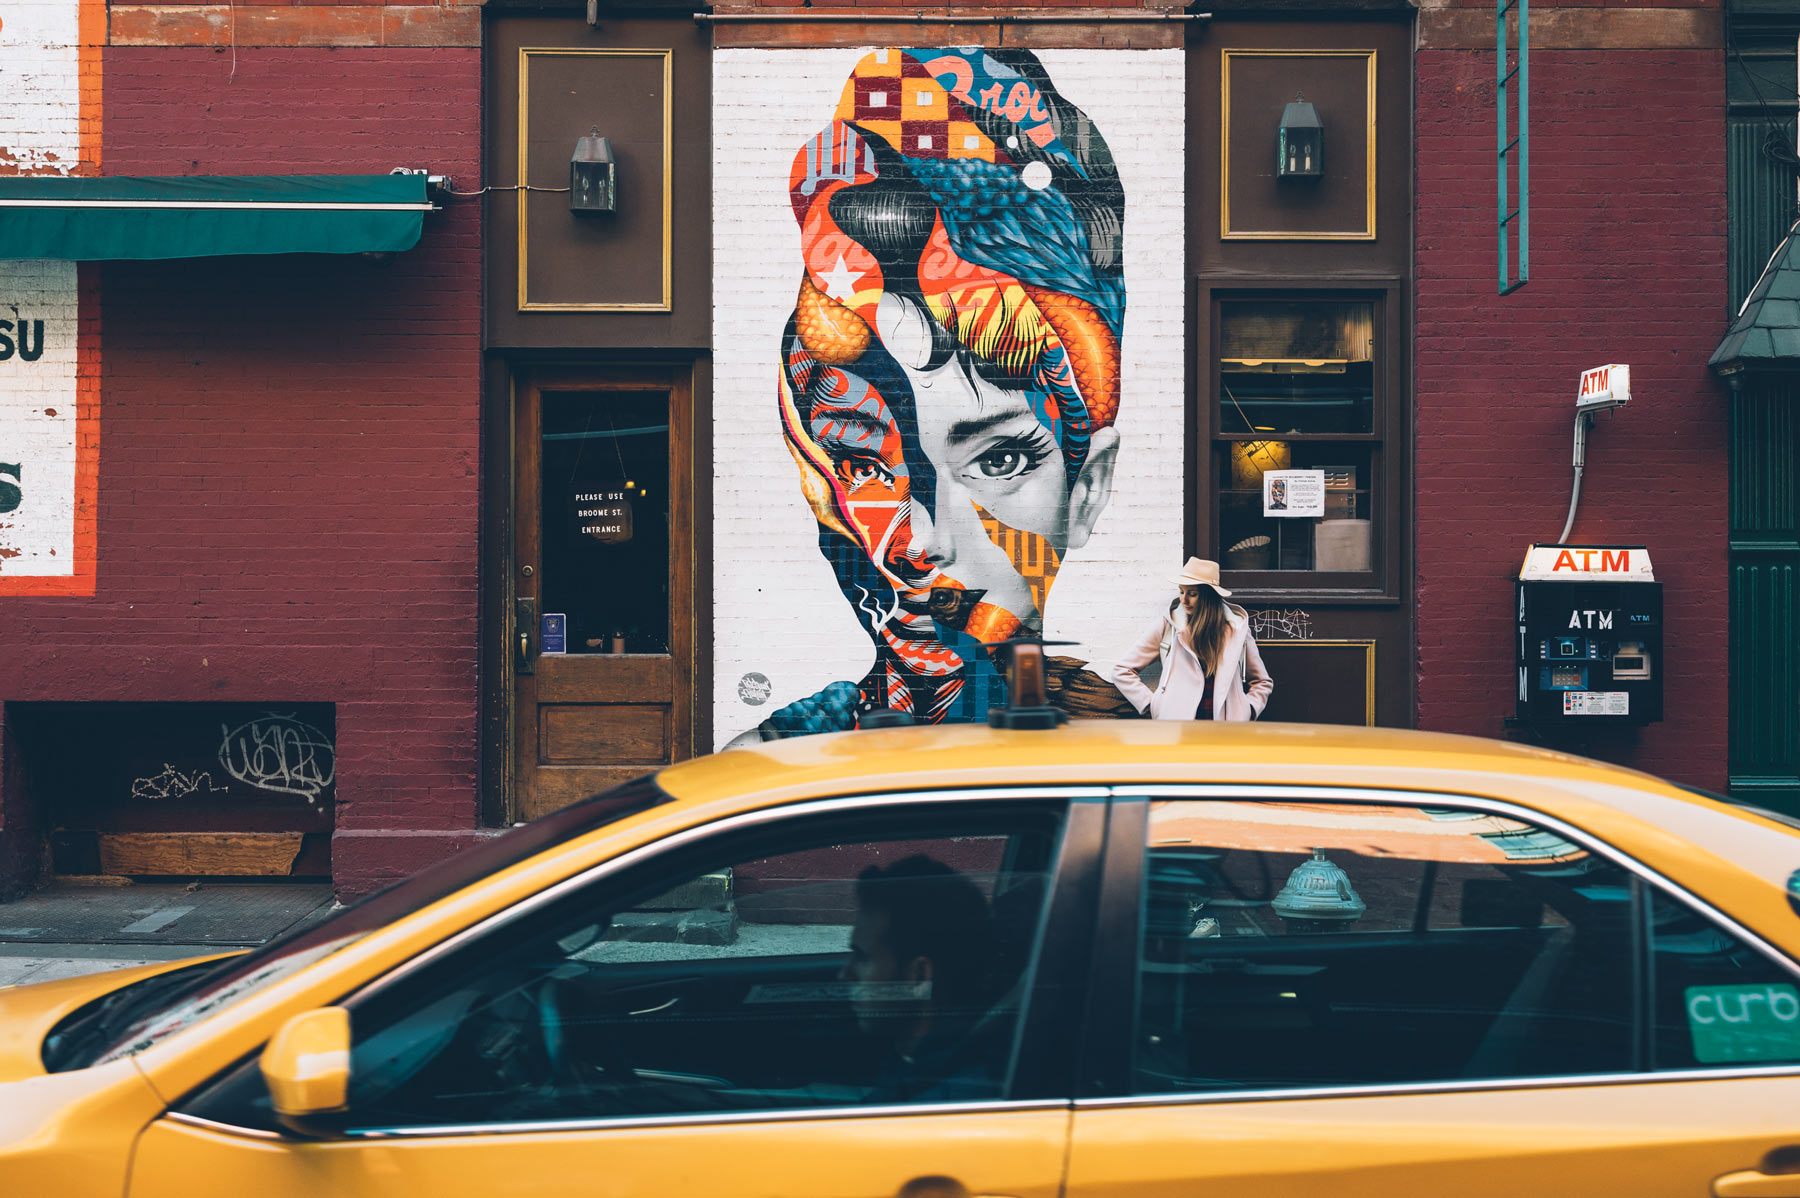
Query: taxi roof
{"points": [[1664, 822], [1122, 751]]}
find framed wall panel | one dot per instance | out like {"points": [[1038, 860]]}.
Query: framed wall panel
{"points": [[1331, 681], [1254, 85], [613, 262]]}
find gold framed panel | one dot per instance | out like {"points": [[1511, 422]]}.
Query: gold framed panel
{"points": [[1226, 232], [1367, 645], [526, 54]]}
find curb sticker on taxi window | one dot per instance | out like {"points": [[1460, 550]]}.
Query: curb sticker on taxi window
{"points": [[1743, 1023]]}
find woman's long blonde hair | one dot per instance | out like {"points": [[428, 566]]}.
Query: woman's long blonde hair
{"points": [[1207, 629]]}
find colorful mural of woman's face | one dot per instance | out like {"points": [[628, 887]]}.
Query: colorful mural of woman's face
{"points": [[951, 369]]}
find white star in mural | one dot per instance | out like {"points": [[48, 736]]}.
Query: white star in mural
{"points": [[840, 281]]}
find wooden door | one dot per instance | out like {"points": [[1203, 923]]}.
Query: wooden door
{"points": [[602, 631]]}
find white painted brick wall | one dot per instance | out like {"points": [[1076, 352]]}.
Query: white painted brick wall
{"points": [[40, 110], [40, 97], [37, 420], [777, 609]]}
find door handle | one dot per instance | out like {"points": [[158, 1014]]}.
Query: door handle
{"points": [[524, 618], [937, 1183], [1754, 1183]]}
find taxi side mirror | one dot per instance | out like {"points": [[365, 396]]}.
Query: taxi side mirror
{"points": [[307, 1067]]}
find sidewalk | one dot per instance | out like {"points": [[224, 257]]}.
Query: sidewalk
{"points": [[73, 928]]}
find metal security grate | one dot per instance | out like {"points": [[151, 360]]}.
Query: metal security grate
{"points": [[1515, 152]]}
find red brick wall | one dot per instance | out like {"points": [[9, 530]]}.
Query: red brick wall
{"points": [[1627, 265], [289, 445]]}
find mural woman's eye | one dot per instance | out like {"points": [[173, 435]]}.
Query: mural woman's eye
{"points": [[1008, 460], [1001, 463], [859, 470]]}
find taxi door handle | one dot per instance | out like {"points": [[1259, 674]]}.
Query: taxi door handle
{"points": [[1753, 1183]]}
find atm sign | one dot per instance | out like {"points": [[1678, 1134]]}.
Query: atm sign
{"points": [[1612, 561], [1579, 562]]}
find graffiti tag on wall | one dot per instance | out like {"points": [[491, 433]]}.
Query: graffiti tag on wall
{"points": [[950, 374], [174, 784], [280, 754]]}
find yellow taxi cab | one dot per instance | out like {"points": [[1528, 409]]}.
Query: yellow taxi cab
{"points": [[1131, 958]]}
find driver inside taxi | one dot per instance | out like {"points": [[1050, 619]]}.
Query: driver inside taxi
{"points": [[920, 950]]}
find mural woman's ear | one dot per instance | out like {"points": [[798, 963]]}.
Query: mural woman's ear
{"points": [[1093, 486]]}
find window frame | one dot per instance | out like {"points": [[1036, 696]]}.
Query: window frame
{"points": [[1107, 1041], [1389, 442], [1045, 1037]]}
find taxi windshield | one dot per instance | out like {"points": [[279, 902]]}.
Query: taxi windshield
{"points": [[134, 1017]]}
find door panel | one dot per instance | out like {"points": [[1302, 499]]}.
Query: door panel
{"points": [[1017, 1153], [1663, 1139], [602, 561], [1377, 997], [843, 1006], [609, 731]]}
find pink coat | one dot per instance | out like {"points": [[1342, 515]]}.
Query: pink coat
{"points": [[1179, 690]]}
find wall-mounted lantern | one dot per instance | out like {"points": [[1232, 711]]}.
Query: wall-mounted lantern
{"points": [[1300, 144], [593, 175]]}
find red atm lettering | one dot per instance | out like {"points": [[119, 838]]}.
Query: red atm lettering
{"points": [[1564, 561], [1620, 562]]}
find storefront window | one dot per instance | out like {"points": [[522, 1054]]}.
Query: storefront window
{"points": [[1297, 446], [605, 511], [1296, 367]]}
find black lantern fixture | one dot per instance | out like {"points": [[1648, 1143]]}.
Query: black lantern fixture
{"points": [[1300, 144], [593, 175]]}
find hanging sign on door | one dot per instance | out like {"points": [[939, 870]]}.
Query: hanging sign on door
{"points": [[602, 512]]}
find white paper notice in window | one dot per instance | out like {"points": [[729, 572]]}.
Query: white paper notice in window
{"points": [[1294, 493]]}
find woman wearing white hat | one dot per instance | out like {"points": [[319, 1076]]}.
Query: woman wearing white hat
{"points": [[1210, 667]]}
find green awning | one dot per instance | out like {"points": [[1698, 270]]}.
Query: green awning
{"points": [[204, 216]]}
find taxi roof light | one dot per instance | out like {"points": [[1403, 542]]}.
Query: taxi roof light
{"points": [[1027, 697]]}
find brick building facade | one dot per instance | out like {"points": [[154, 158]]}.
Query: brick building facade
{"points": [[337, 490], [1627, 265]]}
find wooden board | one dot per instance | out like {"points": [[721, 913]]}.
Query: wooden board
{"points": [[214, 854]]}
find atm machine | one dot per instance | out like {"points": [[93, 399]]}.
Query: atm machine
{"points": [[1590, 649]]}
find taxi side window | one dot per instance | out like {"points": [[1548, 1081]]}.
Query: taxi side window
{"points": [[812, 965], [1294, 945], [1718, 1003]]}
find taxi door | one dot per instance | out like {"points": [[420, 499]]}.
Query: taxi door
{"points": [[705, 1022], [1332, 993]]}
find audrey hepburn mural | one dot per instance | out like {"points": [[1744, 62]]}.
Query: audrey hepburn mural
{"points": [[950, 374]]}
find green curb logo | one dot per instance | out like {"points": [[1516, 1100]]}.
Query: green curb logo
{"points": [[1743, 1023]]}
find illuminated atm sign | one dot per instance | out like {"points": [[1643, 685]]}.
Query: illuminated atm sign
{"points": [[1588, 563]]}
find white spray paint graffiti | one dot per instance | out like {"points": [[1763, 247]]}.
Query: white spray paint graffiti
{"points": [[1282, 623], [281, 754], [173, 784]]}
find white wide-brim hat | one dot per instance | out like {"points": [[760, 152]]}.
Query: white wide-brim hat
{"points": [[1201, 573]]}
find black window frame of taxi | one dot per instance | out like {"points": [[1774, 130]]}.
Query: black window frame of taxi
{"points": [[1104, 1071], [1047, 1037]]}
